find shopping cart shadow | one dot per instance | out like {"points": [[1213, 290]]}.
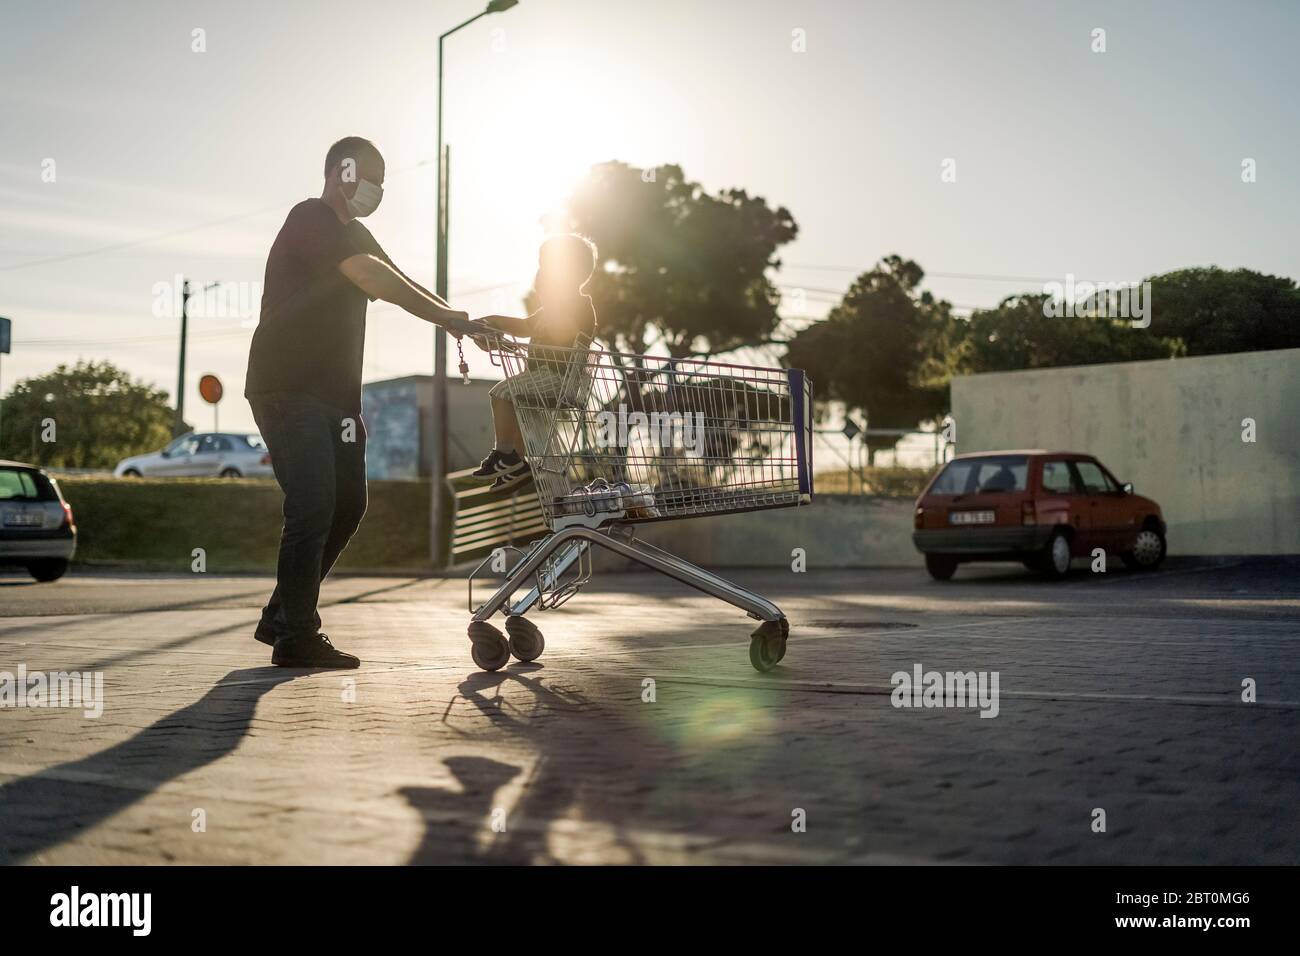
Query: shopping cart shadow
{"points": [[40, 811], [459, 822]]}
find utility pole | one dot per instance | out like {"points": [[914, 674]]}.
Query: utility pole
{"points": [[178, 427], [6, 338], [438, 516]]}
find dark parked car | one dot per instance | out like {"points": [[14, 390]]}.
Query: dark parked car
{"points": [[36, 527], [1039, 507]]}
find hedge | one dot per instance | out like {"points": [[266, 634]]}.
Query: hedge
{"points": [[157, 523]]}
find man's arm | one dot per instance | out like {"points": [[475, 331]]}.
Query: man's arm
{"points": [[367, 243], [377, 279], [432, 295]]}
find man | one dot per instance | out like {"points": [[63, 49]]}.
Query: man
{"points": [[304, 385]]}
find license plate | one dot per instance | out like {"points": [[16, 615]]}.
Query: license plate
{"points": [[22, 519], [970, 517]]}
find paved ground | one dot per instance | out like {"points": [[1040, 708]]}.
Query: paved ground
{"points": [[1117, 691]]}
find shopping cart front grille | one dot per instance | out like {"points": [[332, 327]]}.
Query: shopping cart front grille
{"points": [[633, 438]]}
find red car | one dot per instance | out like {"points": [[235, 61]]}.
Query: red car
{"points": [[1042, 508]]}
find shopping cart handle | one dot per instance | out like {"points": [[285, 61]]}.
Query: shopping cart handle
{"points": [[486, 336], [496, 339], [457, 327]]}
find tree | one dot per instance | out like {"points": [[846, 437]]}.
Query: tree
{"points": [[1214, 310], [679, 267], [94, 412], [886, 349], [1017, 334]]}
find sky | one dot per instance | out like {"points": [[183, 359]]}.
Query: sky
{"points": [[127, 157]]}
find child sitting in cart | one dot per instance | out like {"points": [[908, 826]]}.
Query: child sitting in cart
{"points": [[565, 320]]}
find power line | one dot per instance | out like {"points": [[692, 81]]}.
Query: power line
{"points": [[136, 340], [138, 242], [113, 247], [837, 295], [211, 333], [981, 276]]}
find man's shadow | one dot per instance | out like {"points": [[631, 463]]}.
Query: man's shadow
{"points": [[52, 805]]}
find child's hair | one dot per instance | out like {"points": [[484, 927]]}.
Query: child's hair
{"points": [[575, 255]]}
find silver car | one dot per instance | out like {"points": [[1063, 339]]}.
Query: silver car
{"points": [[203, 454], [36, 527]]}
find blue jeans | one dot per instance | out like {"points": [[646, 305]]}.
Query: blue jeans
{"points": [[323, 477]]}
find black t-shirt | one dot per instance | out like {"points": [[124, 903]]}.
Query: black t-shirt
{"points": [[312, 330]]}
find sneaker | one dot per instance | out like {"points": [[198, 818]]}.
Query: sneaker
{"points": [[513, 477], [268, 630], [310, 650], [495, 464]]}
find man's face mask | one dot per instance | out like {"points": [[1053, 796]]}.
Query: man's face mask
{"points": [[366, 199]]}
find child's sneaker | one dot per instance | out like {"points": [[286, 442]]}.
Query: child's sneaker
{"points": [[513, 476], [496, 464]]}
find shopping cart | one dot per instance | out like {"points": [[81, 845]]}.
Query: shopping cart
{"points": [[618, 440]]}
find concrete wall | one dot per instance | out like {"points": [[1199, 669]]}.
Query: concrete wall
{"points": [[835, 531], [1171, 427]]}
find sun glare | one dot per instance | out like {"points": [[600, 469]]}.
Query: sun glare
{"points": [[558, 129], [535, 137]]}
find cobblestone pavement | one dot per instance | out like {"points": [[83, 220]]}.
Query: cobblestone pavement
{"points": [[1118, 691]]}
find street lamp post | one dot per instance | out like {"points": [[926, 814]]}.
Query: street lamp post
{"points": [[438, 517]]}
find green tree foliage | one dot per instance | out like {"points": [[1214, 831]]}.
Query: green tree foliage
{"points": [[1016, 334], [1215, 310], [99, 414], [886, 350], [680, 268]]}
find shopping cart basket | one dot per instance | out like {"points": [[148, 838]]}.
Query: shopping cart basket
{"points": [[618, 440]]}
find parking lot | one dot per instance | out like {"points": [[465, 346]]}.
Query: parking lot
{"points": [[643, 734]]}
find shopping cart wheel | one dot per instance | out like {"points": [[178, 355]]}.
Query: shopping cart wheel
{"points": [[488, 646], [767, 644], [526, 641]]}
